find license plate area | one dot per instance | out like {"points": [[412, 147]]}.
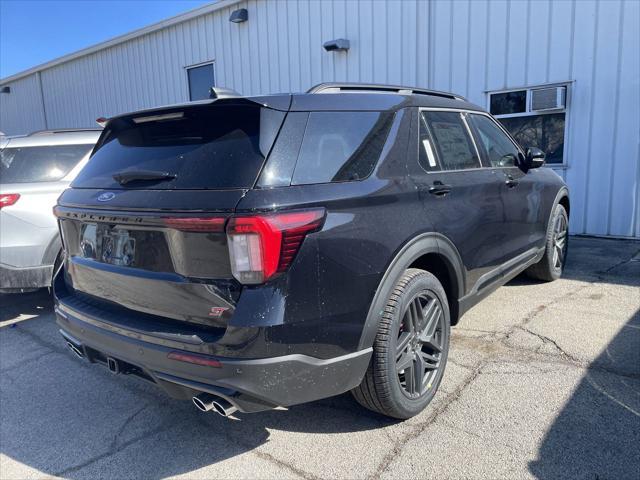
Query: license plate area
{"points": [[108, 244]]}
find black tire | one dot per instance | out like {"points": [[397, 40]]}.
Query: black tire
{"points": [[550, 266], [386, 388]]}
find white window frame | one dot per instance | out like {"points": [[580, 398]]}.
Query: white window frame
{"points": [[196, 65], [532, 113]]}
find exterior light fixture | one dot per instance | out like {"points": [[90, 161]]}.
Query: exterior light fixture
{"points": [[338, 45], [239, 16]]}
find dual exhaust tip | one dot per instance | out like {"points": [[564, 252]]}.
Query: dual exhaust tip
{"points": [[79, 353], [205, 402]]}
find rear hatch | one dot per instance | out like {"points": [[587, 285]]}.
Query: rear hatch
{"points": [[144, 222]]}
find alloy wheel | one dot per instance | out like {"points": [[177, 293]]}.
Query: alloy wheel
{"points": [[559, 241], [419, 345]]}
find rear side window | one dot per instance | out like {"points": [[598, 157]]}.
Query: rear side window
{"points": [[455, 148], [499, 149], [341, 146], [205, 147], [40, 164]]}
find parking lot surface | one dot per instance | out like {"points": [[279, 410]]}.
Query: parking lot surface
{"points": [[543, 381]]}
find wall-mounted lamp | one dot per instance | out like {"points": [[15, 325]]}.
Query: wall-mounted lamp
{"points": [[239, 16], [5, 89], [337, 45]]}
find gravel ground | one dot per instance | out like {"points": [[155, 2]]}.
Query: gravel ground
{"points": [[543, 381]]}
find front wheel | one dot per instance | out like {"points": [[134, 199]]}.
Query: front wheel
{"points": [[550, 267], [410, 350]]}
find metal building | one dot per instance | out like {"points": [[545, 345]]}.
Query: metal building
{"points": [[562, 74]]}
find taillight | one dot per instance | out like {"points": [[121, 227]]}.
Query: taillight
{"points": [[8, 199], [262, 246], [191, 224]]}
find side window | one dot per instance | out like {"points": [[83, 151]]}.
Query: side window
{"points": [[341, 146], [454, 146], [426, 149], [500, 150]]}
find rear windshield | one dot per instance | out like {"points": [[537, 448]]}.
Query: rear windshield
{"points": [[207, 147], [40, 164]]}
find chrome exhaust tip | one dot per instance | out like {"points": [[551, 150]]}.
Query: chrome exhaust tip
{"points": [[206, 402], [75, 350]]}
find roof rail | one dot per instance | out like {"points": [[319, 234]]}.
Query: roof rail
{"points": [[332, 87], [64, 130]]}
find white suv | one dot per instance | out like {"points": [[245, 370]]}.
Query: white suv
{"points": [[34, 170]]}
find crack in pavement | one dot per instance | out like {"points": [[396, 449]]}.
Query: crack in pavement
{"points": [[547, 340], [162, 428], [166, 426], [502, 340], [125, 424], [415, 431]]}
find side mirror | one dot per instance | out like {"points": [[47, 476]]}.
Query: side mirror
{"points": [[534, 158]]}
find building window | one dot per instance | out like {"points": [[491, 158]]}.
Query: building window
{"points": [[535, 117], [201, 79]]}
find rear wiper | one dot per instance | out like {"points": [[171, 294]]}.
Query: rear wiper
{"points": [[129, 176]]}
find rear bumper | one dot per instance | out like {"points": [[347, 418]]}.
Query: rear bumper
{"points": [[25, 278], [251, 384]]}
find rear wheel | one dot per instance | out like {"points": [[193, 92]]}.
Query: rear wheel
{"points": [[410, 350], [550, 267]]}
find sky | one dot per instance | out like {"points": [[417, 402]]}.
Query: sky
{"points": [[36, 31]]}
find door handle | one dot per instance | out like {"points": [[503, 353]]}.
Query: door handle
{"points": [[439, 189], [511, 182]]}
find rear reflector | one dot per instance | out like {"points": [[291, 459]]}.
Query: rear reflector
{"points": [[190, 224], [8, 199], [195, 359], [263, 245]]}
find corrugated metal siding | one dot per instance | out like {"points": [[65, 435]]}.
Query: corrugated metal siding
{"points": [[467, 47], [21, 110]]}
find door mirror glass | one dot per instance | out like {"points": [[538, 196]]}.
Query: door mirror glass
{"points": [[534, 158]]}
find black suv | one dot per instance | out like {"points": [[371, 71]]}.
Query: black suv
{"points": [[256, 252]]}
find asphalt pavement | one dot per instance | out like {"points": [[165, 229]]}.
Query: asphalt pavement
{"points": [[543, 381]]}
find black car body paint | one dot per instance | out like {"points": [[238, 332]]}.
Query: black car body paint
{"points": [[306, 333]]}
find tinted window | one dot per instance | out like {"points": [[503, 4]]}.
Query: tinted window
{"points": [[543, 131], [508, 102], [500, 150], [39, 164], [455, 148], [426, 149], [340, 146], [200, 81], [207, 148]]}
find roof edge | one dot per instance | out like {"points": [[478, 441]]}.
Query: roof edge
{"points": [[154, 27]]}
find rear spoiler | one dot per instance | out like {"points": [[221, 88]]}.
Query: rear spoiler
{"points": [[280, 102]]}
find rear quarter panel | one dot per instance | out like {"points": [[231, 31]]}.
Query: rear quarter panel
{"points": [[28, 227], [325, 297]]}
